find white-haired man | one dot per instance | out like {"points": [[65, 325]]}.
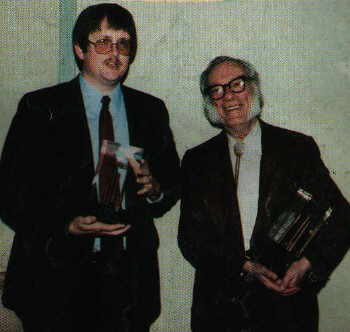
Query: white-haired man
{"points": [[235, 187]]}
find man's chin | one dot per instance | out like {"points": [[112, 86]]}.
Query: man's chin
{"points": [[112, 80], [237, 124], [112, 77]]}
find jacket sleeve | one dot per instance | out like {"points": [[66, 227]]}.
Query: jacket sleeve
{"points": [[163, 160], [330, 246], [29, 188], [20, 170]]}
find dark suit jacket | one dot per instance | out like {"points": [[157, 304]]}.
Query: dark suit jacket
{"points": [[46, 174], [210, 235]]}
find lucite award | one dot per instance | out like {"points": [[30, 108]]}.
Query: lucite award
{"points": [[299, 223], [113, 160]]}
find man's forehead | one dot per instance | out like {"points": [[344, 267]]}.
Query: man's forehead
{"points": [[105, 26], [225, 71], [109, 31]]}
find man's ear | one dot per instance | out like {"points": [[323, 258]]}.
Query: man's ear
{"points": [[79, 52]]}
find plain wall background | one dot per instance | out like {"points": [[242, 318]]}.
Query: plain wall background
{"points": [[301, 49]]}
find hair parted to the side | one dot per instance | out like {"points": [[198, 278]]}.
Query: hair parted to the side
{"points": [[209, 108], [90, 20]]}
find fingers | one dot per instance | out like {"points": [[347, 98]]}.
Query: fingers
{"points": [[77, 226], [296, 273], [99, 226], [270, 279], [290, 279], [259, 269], [135, 166], [289, 291], [274, 285], [269, 274], [91, 226], [118, 229], [144, 177]]}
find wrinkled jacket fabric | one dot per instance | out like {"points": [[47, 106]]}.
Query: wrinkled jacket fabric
{"points": [[210, 235], [46, 173]]}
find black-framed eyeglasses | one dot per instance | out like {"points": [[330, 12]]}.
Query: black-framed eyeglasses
{"points": [[237, 85], [104, 46]]}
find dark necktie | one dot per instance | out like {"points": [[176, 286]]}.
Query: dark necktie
{"points": [[110, 197], [108, 177]]}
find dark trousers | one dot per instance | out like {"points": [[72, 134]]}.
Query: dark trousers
{"points": [[33, 326], [261, 310], [100, 302]]}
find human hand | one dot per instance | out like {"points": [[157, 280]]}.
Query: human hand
{"points": [[91, 226], [150, 185], [267, 277], [294, 275]]}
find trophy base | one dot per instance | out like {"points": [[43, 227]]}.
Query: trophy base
{"points": [[109, 215]]}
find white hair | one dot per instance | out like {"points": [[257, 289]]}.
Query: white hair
{"points": [[209, 108]]}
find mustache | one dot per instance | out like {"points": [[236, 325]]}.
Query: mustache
{"points": [[114, 60]]}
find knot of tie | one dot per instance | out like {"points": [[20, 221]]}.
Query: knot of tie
{"points": [[106, 131], [105, 101]]}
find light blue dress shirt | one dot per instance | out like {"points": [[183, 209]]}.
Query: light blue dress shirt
{"points": [[92, 102]]}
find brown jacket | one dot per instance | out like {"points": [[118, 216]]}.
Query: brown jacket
{"points": [[210, 235]]}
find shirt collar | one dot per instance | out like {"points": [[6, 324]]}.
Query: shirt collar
{"points": [[92, 97], [252, 142]]}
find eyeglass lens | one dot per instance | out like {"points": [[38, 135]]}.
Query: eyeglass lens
{"points": [[236, 85], [104, 46]]}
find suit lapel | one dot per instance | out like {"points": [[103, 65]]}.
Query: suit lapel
{"points": [[224, 203], [72, 128], [132, 114], [267, 166], [82, 123], [131, 108], [268, 171]]}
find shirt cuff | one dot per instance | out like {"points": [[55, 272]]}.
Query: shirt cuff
{"points": [[155, 198]]}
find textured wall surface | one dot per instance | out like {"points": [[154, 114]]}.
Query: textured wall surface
{"points": [[301, 48], [29, 54], [29, 60]]}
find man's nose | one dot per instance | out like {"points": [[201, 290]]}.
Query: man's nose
{"points": [[115, 49], [228, 93]]}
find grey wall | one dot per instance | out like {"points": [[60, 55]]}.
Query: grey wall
{"points": [[301, 48]]}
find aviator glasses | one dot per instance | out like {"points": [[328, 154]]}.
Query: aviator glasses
{"points": [[104, 46], [236, 85]]}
